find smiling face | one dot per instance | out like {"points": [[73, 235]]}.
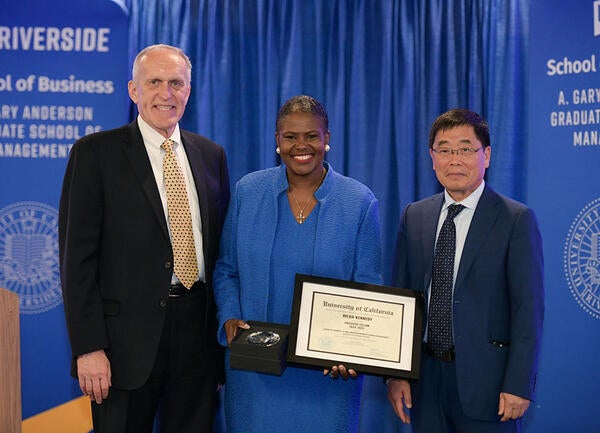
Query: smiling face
{"points": [[460, 174], [160, 88], [301, 138]]}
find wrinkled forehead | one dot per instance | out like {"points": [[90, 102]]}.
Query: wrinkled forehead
{"points": [[162, 63]]}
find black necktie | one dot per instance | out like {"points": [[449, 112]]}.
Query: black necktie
{"points": [[439, 323]]}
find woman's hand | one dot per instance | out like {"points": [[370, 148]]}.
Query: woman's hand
{"points": [[340, 370], [231, 328]]}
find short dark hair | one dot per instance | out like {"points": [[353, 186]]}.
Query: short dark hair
{"points": [[302, 104], [459, 117]]}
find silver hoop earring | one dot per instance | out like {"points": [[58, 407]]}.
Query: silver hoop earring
{"points": [[327, 148], [277, 150]]}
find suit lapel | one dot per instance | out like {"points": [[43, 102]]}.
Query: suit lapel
{"points": [[430, 221], [140, 163], [483, 221], [197, 165]]}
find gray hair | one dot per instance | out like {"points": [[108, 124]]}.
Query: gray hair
{"points": [[148, 49]]}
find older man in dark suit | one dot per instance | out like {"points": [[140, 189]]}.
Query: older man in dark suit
{"points": [[141, 212], [477, 258]]}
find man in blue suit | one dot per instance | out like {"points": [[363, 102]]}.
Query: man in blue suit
{"points": [[483, 380]]}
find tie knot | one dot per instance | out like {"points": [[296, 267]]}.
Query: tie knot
{"points": [[453, 210], [167, 145]]}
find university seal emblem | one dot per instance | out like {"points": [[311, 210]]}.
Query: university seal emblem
{"points": [[29, 255], [582, 258]]}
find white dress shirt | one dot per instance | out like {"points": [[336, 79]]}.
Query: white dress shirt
{"points": [[152, 142], [462, 222]]}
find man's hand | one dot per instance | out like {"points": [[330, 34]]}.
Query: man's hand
{"points": [[231, 328], [400, 397], [511, 406], [93, 371]]}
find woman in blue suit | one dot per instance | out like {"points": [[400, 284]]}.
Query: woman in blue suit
{"points": [[300, 217]]}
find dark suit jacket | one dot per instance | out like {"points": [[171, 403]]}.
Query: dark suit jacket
{"points": [[115, 252], [498, 296]]}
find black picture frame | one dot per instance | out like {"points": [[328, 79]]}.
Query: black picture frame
{"points": [[371, 328]]}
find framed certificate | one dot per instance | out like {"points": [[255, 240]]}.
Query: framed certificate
{"points": [[370, 328]]}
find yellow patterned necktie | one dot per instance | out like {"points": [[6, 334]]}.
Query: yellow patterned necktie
{"points": [[180, 218]]}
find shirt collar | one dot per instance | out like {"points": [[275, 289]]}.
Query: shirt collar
{"points": [[470, 202], [152, 137]]}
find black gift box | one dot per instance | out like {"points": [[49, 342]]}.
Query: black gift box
{"points": [[268, 359]]}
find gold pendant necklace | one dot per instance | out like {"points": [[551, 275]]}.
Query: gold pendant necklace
{"points": [[300, 218]]}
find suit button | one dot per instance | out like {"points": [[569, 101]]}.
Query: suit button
{"points": [[163, 303], [168, 265]]}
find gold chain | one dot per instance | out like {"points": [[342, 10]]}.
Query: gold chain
{"points": [[300, 218]]}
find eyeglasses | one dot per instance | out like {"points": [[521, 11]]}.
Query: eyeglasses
{"points": [[465, 152]]}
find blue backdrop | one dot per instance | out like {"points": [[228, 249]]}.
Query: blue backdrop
{"points": [[384, 70], [63, 74], [563, 187]]}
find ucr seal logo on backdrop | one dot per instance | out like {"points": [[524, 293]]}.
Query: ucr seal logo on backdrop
{"points": [[582, 258], [29, 255]]}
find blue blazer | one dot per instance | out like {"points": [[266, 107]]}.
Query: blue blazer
{"points": [[498, 295], [348, 244]]}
